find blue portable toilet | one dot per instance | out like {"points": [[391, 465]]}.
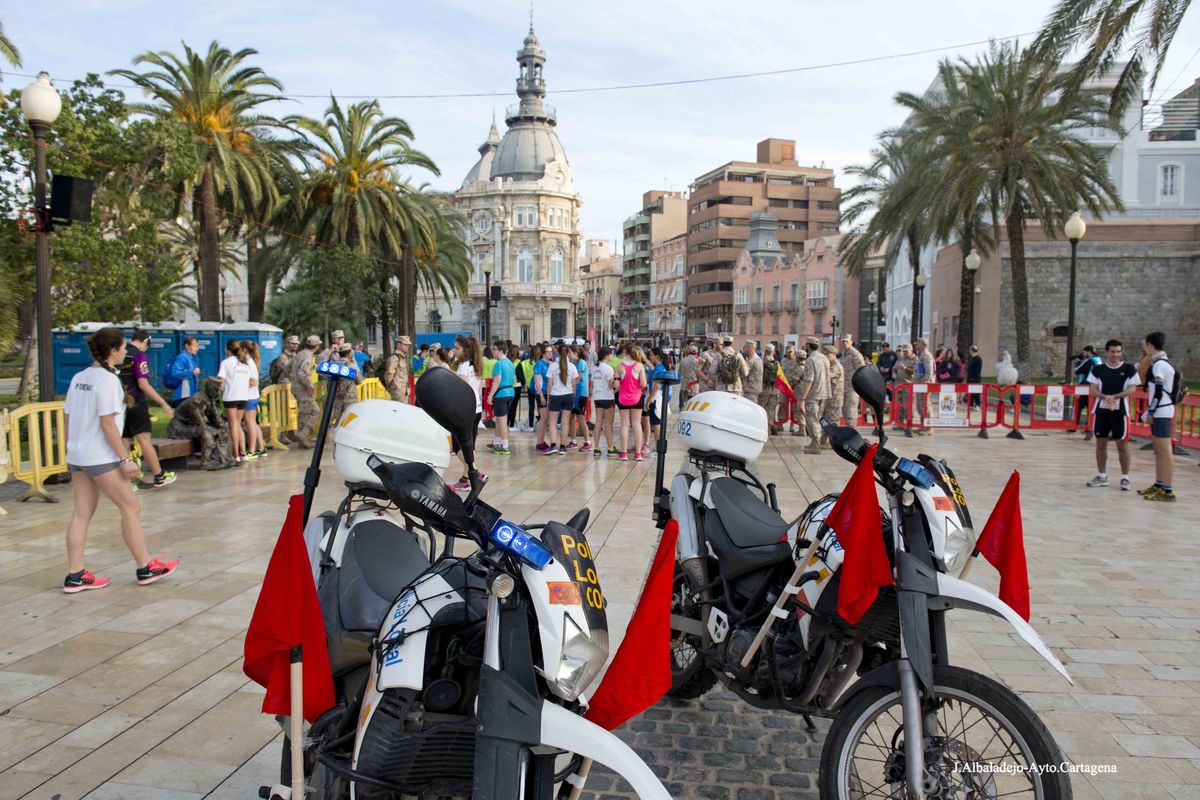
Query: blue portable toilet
{"points": [[211, 351], [268, 338], [164, 344], [445, 339], [70, 351]]}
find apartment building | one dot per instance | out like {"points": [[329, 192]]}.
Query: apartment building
{"points": [[668, 289], [804, 201], [600, 275], [663, 215]]}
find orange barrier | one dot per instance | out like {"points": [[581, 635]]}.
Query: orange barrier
{"points": [[1187, 422], [923, 406], [1044, 407]]}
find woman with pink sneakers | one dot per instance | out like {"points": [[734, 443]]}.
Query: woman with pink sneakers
{"points": [[100, 464], [631, 393]]}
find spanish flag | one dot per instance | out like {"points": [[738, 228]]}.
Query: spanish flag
{"points": [[781, 383]]}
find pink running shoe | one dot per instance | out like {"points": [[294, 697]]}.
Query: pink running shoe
{"points": [[542, 447], [638, 458], [622, 456], [82, 581], [156, 569], [570, 446], [585, 447]]}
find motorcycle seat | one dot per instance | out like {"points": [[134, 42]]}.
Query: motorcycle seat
{"points": [[748, 520], [381, 559]]}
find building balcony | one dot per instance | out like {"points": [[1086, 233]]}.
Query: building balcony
{"points": [[548, 113], [757, 308], [635, 220], [641, 237], [818, 302], [795, 304], [741, 308], [775, 306], [631, 255], [1176, 120], [516, 289]]}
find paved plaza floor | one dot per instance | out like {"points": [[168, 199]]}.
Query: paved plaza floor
{"points": [[137, 692]]}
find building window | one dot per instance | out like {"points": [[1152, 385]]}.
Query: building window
{"points": [[556, 266], [775, 326], [524, 335], [758, 325], [776, 290], [741, 296], [758, 294], [1169, 183], [435, 321], [795, 290], [525, 264], [480, 259], [818, 289], [825, 205]]}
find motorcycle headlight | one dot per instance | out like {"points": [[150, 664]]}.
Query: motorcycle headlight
{"points": [[583, 656], [958, 548]]}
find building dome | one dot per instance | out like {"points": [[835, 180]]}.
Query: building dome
{"points": [[527, 146], [530, 143]]}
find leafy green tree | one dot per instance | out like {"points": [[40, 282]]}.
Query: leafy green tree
{"points": [[324, 293], [217, 98], [355, 195], [440, 267], [1008, 128], [1138, 32]]}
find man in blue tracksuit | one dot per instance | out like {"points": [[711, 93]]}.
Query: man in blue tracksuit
{"points": [[183, 373]]}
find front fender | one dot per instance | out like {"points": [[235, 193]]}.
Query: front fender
{"points": [[961, 594], [574, 734]]}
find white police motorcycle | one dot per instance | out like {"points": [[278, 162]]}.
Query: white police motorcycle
{"points": [[455, 675]]}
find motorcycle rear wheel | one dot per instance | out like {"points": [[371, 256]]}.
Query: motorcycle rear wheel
{"points": [[987, 737], [690, 676]]}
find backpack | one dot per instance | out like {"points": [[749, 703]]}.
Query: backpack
{"points": [[1175, 396], [382, 367], [169, 379], [729, 372], [275, 373]]}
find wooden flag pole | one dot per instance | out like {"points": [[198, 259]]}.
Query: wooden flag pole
{"points": [[297, 722], [579, 779]]}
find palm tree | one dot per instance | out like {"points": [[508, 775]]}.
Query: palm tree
{"points": [[439, 267], [1007, 130], [354, 193], [1109, 31], [217, 98], [896, 221], [9, 50]]}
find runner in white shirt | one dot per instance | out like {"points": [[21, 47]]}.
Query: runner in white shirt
{"points": [[234, 375], [99, 463], [604, 401], [1160, 414]]}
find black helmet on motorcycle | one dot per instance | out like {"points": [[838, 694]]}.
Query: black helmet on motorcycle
{"points": [[419, 492]]}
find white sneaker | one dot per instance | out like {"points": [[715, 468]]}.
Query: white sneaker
{"points": [[1099, 480], [1125, 484]]}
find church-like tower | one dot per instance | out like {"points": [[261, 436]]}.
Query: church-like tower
{"points": [[523, 213]]}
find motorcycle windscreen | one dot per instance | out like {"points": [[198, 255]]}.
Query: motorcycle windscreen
{"points": [[571, 615]]}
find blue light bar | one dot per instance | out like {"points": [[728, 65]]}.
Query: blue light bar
{"points": [[510, 538], [916, 473], [337, 370]]}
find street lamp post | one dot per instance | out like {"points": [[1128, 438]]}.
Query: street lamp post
{"points": [[922, 281], [719, 321], [224, 284], [972, 262], [41, 105], [1075, 229], [872, 298], [487, 302]]}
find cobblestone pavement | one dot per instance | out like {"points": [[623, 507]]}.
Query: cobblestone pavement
{"points": [[137, 692]]}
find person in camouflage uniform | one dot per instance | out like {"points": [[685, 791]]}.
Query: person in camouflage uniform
{"points": [[336, 340], [831, 409], [769, 397], [815, 391], [851, 360], [752, 383], [904, 373], [396, 370], [280, 372], [347, 391], [301, 379]]}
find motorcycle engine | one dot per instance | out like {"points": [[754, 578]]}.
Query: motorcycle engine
{"points": [[429, 754]]}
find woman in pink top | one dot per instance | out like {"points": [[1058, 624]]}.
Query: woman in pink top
{"points": [[631, 392]]}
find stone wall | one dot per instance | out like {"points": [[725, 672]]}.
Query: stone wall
{"points": [[1123, 290]]}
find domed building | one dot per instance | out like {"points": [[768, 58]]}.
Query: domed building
{"points": [[523, 215]]}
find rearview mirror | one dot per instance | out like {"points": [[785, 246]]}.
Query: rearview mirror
{"points": [[449, 400], [868, 384]]}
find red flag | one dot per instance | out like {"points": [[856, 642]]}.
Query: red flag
{"points": [[288, 614], [640, 673], [781, 383], [855, 518], [1002, 543]]}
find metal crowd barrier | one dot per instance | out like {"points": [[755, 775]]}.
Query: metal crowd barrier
{"points": [[42, 426]]}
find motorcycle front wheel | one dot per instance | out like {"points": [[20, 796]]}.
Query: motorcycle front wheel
{"points": [[982, 741]]}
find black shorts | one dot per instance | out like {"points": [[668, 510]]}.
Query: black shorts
{"points": [[137, 419], [581, 407], [240, 405], [654, 420], [1110, 423], [602, 404], [561, 402], [638, 404], [500, 406]]}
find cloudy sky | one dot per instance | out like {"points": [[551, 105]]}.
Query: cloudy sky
{"points": [[620, 143]]}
